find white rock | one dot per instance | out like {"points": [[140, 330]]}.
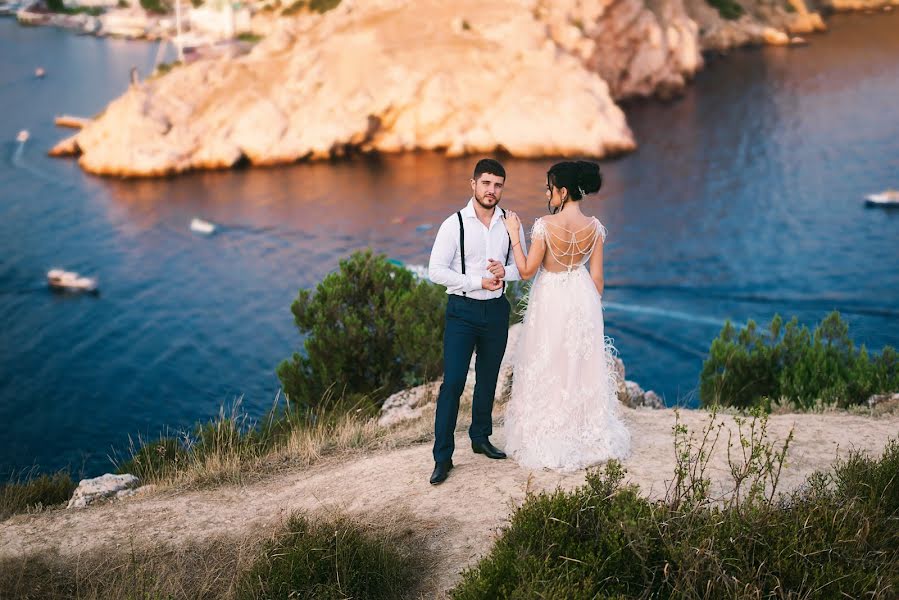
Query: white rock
{"points": [[878, 399], [105, 486]]}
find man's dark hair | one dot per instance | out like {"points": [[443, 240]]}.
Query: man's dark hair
{"points": [[488, 165]]}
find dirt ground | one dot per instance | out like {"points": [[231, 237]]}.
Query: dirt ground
{"points": [[461, 517]]}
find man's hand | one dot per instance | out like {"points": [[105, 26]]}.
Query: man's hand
{"points": [[491, 284], [496, 267]]}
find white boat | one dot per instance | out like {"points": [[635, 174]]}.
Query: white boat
{"points": [[40, 72], [420, 271], [201, 226], [23, 136], [885, 198], [69, 280]]}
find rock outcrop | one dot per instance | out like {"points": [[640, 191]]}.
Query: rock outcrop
{"points": [[103, 487], [529, 77], [385, 76]]}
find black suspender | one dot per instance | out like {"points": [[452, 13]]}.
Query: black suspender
{"points": [[462, 245], [508, 250]]}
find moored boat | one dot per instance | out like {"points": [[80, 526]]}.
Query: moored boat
{"points": [[61, 280], [885, 198]]}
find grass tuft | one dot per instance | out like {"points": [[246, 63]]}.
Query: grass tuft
{"points": [[28, 493]]}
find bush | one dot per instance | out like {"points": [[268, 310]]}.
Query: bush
{"points": [[728, 9], [517, 294], [835, 537], [371, 329], [790, 363], [23, 495], [154, 6], [323, 6], [338, 559], [251, 38]]}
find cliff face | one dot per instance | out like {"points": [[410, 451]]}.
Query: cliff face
{"points": [[531, 77], [389, 76]]}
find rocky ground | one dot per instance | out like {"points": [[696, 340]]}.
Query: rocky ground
{"points": [[460, 518]]}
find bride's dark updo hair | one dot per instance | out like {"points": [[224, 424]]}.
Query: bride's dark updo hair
{"points": [[578, 177]]}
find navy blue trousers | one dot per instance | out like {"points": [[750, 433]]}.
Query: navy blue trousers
{"points": [[480, 326]]}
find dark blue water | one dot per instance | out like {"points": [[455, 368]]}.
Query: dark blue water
{"points": [[744, 199]]}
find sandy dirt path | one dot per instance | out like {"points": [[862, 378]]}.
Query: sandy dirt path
{"points": [[460, 517]]}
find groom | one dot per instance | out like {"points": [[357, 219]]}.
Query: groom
{"points": [[472, 257]]}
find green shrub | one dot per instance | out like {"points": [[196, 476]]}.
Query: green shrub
{"points": [[294, 8], [25, 494], [789, 363], [323, 6], [728, 9], [835, 537], [516, 294], [339, 559], [154, 6], [248, 37], [371, 329]]}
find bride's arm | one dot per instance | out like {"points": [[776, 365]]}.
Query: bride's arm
{"points": [[527, 264], [596, 267]]}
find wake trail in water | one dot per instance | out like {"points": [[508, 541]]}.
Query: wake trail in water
{"points": [[667, 314], [659, 339], [826, 304], [19, 162]]}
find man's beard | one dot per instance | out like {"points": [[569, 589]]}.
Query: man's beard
{"points": [[488, 204]]}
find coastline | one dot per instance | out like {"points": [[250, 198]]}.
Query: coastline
{"points": [[174, 125]]}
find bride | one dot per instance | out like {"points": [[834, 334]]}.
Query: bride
{"points": [[563, 411]]}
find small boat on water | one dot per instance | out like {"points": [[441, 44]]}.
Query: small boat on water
{"points": [[40, 72], [201, 226], [419, 271], [23, 136], [885, 198], [59, 279]]}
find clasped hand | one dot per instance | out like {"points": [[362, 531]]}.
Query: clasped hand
{"points": [[498, 271]]}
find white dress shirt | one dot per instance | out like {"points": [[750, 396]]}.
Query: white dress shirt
{"points": [[481, 243]]}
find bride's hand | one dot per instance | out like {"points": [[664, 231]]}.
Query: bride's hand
{"points": [[513, 225]]}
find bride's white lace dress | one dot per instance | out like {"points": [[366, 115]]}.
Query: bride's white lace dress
{"points": [[563, 412]]}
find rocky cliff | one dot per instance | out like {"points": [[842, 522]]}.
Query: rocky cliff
{"points": [[530, 77]]}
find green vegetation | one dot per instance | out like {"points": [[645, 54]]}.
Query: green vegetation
{"points": [[336, 559], [155, 6], [252, 38], [835, 537], [57, 6], [319, 6], [517, 295], [30, 493], [163, 68], [371, 327], [728, 9], [789, 364], [333, 557]]}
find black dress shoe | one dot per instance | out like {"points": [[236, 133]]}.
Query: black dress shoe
{"points": [[487, 449], [441, 471]]}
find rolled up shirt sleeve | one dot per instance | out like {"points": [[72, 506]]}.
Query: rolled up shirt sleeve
{"points": [[440, 265]]}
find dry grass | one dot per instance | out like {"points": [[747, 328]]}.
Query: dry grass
{"points": [[231, 450], [202, 569], [233, 567], [30, 493]]}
